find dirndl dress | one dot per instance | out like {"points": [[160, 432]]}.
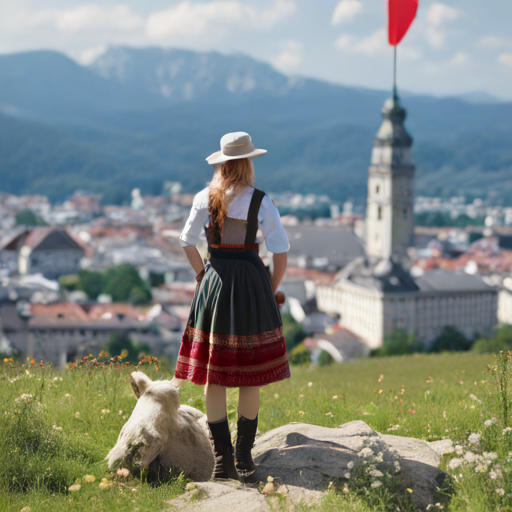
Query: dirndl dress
{"points": [[234, 334]]}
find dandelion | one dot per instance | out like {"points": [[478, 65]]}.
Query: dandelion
{"points": [[351, 464], [89, 479], [410, 490], [75, 488], [77, 415], [500, 492], [474, 439], [376, 484], [301, 413]]}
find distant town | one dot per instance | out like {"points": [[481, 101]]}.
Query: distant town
{"points": [[80, 277]]}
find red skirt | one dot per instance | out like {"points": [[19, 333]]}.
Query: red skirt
{"points": [[234, 335]]}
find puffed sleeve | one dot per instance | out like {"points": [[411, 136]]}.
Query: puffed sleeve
{"points": [[196, 220], [271, 227]]}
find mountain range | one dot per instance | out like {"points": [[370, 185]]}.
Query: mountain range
{"points": [[140, 117]]}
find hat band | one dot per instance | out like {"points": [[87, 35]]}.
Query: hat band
{"points": [[239, 149]]}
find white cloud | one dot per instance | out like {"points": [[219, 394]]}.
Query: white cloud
{"points": [[438, 16], [290, 58], [89, 17], [345, 11], [505, 59], [375, 45], [192, 19], [460, 59]]}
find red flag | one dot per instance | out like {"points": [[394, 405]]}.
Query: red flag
{"points": [[401, 16]]}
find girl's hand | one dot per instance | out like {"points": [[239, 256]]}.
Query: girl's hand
{"points": [[280, 298]]}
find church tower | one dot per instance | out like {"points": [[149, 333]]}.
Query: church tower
{"points": [[390, 215]]}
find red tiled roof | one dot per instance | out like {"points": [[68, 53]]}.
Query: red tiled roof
{"points": [[67, 311]]}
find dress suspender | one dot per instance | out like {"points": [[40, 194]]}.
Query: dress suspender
{"points": [[252, 217]]}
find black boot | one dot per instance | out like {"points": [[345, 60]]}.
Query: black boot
{"points": [[245, 435], [224, 461]]}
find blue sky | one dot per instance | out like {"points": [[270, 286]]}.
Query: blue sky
{"points": [[454, 46]]}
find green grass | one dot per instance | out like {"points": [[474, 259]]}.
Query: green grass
{"points": [[423, 396]]}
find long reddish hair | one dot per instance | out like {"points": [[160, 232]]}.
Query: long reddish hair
{"points": [[228, 181]]}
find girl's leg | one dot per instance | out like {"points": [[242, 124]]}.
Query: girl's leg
{"points": [[216, 408], [216, 413], [248, 406], [249, 402]]}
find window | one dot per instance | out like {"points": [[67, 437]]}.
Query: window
{"points": [[377, 189], [405, 213], [379, 213]]}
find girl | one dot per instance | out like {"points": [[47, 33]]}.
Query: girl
{"points": [[234, 334]]}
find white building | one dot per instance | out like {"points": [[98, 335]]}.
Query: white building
{"points": [[375, 294]]}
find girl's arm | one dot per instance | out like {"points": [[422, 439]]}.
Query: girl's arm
{"points": [[280, 260], [194, 259]]}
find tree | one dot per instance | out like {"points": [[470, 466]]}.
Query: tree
{"points": [[300, 355], [119, 342], [121, 280], [91, 283], [451, 340], [29, 218]]}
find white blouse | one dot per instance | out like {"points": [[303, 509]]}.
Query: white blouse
{"points": [[268, 217]]}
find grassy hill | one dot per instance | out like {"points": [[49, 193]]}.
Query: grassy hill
{"points": [[66, 427]]}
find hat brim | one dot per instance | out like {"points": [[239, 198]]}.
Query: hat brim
{"points": [[220, 158]]}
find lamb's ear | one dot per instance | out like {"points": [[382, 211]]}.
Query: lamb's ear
{"points": [[177, 383], [140, 382]]}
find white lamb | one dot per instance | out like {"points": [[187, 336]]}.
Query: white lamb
{"points": [[161, 429]]}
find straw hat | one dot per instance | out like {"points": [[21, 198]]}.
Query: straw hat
{"points": [[234, 146]]}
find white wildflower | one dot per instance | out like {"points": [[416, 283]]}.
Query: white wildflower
{"points": [[490, 455], [493, 475], [376, 484], [350, 465], [470, 457], [397, 467], [310, 384], [481, 468], [57, 429], [376, 473], [507, 430], [67, 395], [500, 492], [455, 463], [347, 475], [490, 423], [459, 450], [24, 397], [476, 399], [365, 452], [379, 457], [474, 439]]}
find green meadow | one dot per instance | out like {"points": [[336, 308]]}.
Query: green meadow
{"points": [[57, 427]]}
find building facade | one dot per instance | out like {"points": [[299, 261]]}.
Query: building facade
{"points": [[389, 215]]}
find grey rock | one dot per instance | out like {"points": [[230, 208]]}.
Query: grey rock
{"points": [[303, 459], [442, 447]]}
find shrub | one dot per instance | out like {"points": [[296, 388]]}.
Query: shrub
{"points": [[292, 331], [121, 343], [70, 283], [300, 355], [120, 281], [502, 340], [451, 340], [396, 343], [91, 283], [325, 358]]}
